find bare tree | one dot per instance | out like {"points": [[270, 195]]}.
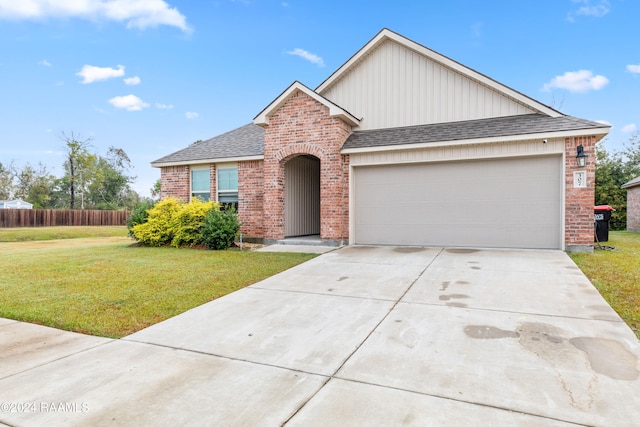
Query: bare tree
{"points": [[77, 164]]}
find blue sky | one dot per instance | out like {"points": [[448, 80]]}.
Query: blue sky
{"points": [[152, 76]]}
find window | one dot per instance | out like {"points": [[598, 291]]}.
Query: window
{"points": [[201, 184], [228, 185]]}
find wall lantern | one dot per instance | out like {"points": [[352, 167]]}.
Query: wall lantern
{"points": [[581, 157]]}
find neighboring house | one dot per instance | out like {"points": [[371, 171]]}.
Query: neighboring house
{"points": [[15, 204], [633, 204], [401, 146]]}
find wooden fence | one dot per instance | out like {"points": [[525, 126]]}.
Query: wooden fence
{"points": [[57, 217]]}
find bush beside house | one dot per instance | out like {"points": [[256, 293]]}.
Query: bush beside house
{"points": [[179, 224]]}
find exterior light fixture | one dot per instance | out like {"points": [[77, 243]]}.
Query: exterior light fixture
{"points": [[581, 157]]}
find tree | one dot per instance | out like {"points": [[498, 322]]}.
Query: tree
{"points": [[6, 181], [110, 188], [156, 189], [612, 171], [34, 185], [78, 166]]}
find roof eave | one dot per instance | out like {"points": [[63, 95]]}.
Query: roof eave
{"points": [[206, 161], [598, 132]]}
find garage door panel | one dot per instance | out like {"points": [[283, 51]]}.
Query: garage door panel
{"points": [[489, 203]]}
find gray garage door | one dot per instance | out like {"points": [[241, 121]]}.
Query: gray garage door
{"points": [[510, 203]]}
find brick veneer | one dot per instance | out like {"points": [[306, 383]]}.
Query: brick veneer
{"points": [[579, 201], [174, 182], [633, 208], [250, 198], [300, 126]]}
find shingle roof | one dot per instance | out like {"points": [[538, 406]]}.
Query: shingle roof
{"points": [[470, 129], [245, 141], [248, 140], [632, 183]]}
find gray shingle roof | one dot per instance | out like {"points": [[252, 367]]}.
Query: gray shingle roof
{"points": [[632, 183], [470, 129], [248, 140], [244, 141]]}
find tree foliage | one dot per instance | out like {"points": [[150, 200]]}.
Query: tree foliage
{"points": [[89, 181], [613, 169]]}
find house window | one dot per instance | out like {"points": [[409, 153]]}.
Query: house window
{"points": [[228, 185], [201, 184]]}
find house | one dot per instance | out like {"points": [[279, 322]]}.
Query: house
{"points": [[15, 204], [402, 146], [633, 204]]}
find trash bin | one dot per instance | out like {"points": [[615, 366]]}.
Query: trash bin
{"points": [[601, 217]]}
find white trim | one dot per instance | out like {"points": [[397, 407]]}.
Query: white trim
{"points": [[509, 138], [387, 34], [206, 161], [262, 119]]}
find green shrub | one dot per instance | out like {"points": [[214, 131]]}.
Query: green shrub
{"points": [[188, 220], [157, 231], [220, 228], [139, 215], [173, 222]]}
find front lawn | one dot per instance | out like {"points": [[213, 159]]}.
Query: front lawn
{"points": [[616, 274], [52, 233], [110, 287]]}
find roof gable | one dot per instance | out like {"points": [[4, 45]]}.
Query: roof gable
{"points": [[393, 81], [262, 119]]}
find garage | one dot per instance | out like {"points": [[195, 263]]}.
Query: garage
{"points": [[504, 203]]}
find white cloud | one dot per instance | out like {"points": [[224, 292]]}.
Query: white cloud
{"points": [[630, 128], [604, 122], [135, 13], [44, 63], [91, 73], [593, 8], [164, 106], [635, 69], [311, 57], [577, 81], [128, 102], [589, 8], [132, 81], [191, 115]]}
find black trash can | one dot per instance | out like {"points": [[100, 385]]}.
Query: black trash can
{"points": [[601, 217]]}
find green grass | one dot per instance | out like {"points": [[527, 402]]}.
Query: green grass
{"points": [[53, 233], [109, 287], [616, 274]]}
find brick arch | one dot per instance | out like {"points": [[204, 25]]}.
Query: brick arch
{"points": [[303, 126], [289, 152]]}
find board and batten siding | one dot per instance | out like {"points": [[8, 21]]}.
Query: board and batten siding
{"points": [[460, 152], [395, 86], [302, 196]]}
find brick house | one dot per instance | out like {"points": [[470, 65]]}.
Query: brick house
{"points": [[633, 204], [403, 146]]}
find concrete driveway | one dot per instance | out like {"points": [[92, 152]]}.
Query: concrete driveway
{"points": [[358, 336]]}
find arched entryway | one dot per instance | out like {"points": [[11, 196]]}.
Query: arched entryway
{"points": [[302, 196]]}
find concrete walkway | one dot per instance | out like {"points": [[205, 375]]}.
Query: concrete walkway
{"points": [[357, 336]]}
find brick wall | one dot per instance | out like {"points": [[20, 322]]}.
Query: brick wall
{"points": [[633, 208], [174, 182], [303, 126], [250, 198], [579, 201]]}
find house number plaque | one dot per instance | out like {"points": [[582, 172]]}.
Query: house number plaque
{"points": [[580, 179]]}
